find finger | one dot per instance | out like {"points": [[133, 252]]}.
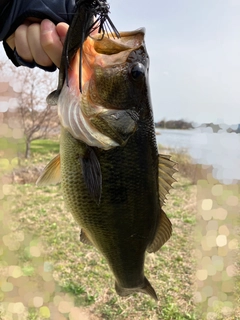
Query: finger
{"points": [[51, 42], [21, 43], [38, 53], [62, 29], [11, 39]]}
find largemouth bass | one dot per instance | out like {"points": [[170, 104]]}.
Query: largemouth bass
{"points": [[114, 181]]}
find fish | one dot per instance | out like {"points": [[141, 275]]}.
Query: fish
{"points": [[114, 181]]}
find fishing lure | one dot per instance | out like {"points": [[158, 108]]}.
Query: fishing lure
{"points": [[90, 15], [100, 10]]}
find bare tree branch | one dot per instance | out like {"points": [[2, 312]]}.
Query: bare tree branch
{"points": [[36, 118]]}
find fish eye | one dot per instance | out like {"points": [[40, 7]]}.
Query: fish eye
{"points": [[138, 71]]}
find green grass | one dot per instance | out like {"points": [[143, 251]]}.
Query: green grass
{"points": [[10, 143], [39, 148], [44, 147], [73, 288]]}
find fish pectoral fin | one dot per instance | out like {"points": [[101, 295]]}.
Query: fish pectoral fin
{"points": [[163, 233], [92, 174], [166, 171], [51, 173], [52, 98], [119, 125], [84, 238]]}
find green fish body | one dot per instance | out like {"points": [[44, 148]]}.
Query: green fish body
{"points": [[114, 181]]}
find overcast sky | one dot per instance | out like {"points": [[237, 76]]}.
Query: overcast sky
{"points": [[194, 49]]}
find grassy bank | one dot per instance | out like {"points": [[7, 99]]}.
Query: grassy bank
{"points": [[51, 235], [48, 274]]}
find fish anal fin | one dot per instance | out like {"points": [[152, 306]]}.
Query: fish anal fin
{"points": [[84, 238], [166, 171], [92, 174], [163, 233], [51, 173]]}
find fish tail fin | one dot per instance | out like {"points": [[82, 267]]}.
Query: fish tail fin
{"points": [[146, 288]]}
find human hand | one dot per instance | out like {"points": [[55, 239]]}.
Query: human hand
{"points": [[39, 41]]}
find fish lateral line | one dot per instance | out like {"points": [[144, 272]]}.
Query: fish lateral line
{"points": [[138, 236]]}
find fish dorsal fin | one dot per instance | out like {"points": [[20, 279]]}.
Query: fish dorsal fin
{"points": [[51, 173], [92, 174], [163, 233], [84, 238], [166, 171]]}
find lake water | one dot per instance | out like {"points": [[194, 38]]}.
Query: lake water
{"points": [[221, 150]]}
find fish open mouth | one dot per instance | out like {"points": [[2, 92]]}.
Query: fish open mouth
{"points": [[104, 51], [78, 111], [109, 45]]}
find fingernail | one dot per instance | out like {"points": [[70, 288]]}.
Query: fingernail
{"points": [[47, 26]]}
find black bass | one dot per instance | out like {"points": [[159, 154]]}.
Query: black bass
{"points": [[114, 181]]}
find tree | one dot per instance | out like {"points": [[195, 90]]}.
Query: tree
{"points": [[31, 112], [36, 117]]}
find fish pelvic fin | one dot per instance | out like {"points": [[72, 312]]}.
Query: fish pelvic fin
{"points": [[51, 173], [163, 233], [52, 98], [166, 171], [92, 174], [146, 288]]}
